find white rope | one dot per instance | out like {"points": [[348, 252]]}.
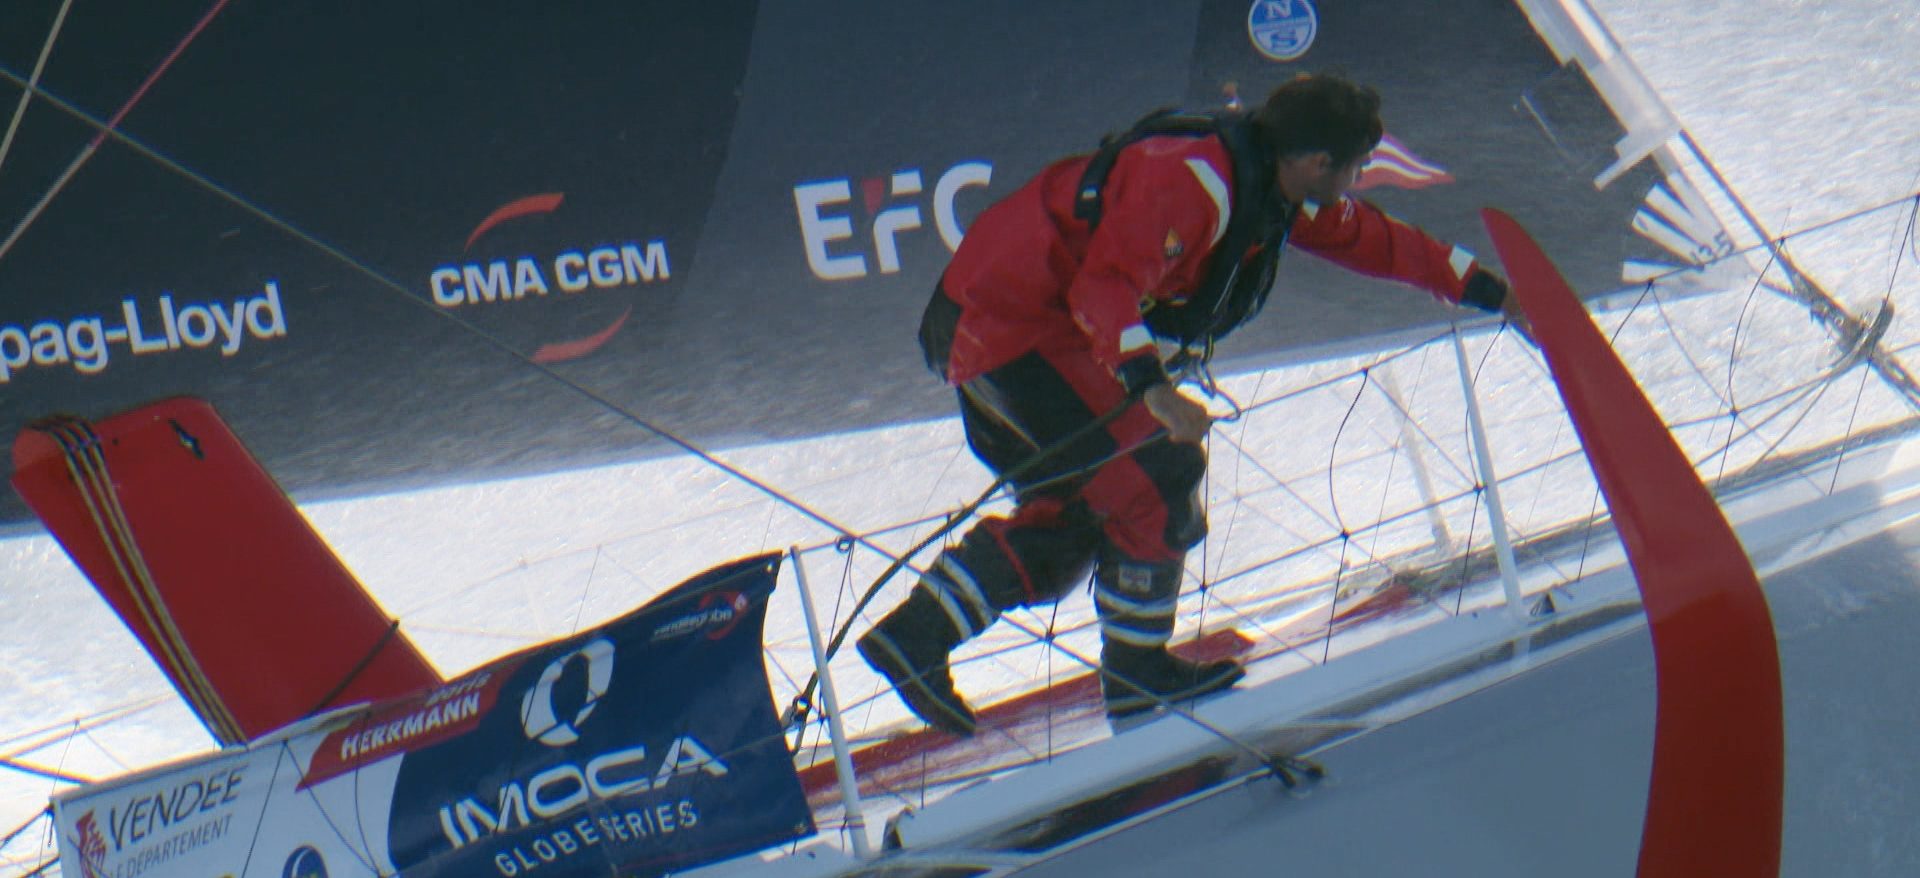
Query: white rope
{"points": [[33, 80]]}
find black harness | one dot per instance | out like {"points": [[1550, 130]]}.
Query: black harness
{"points": [[1240, 272]]}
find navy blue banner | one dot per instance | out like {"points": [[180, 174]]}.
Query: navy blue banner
{"points": [[645, 745]]}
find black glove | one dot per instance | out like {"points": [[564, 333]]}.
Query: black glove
{"points": [[1485, 290]]}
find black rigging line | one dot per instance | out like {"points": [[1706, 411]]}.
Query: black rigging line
{"points": [[1333, 450], [464, 325], [1014, 477], [1593, 508], [1893, 276], [1482, 481], [273, 220], [1206, 576], [1733, 359]]}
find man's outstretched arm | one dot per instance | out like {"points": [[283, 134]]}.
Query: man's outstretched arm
{"points": [[1363, 238]]}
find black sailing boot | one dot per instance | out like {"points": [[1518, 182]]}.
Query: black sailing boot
{"points": [[1137, 673], [910, 646]]}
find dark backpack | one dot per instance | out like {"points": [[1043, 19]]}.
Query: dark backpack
{"points": [[1241, 270]]}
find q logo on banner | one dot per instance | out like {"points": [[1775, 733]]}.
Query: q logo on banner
{"points": [[304, 863], [1282, 30], [537, 716]]}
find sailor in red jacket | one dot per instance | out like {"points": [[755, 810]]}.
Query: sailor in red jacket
{"points": [[1051, 318]]}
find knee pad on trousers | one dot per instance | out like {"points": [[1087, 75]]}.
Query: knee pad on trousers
{"points": [[1167, 516], [1035, 557]]}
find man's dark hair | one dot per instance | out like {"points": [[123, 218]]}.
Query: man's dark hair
{"points": [[1321, 113]]}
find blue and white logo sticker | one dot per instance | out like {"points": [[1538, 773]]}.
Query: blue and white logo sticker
{"points": [[304, 863], [1282, 30]]}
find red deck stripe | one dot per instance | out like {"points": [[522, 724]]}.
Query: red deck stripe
{"points": [[924, 755]]}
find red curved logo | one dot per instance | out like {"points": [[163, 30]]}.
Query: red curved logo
{"points": [[725, 608], [537, 205], [562, 351], [545, 202]]}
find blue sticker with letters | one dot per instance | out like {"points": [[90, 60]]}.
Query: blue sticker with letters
{"points": [[1282, 30]]}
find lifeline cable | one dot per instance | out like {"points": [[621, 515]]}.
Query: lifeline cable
{"points": [[798, 710], [1886, 313], [719, 464], [1733, 354], [962, 777], [1295, 773]]}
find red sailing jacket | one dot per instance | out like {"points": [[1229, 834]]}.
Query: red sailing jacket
{"points": [[1029, 275]]}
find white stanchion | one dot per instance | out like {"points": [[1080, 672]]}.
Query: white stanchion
{"points": [[842, 758], [1496, 513]]}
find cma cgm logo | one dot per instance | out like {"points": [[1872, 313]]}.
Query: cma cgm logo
{"points": [[899, 204], [572, 270]]}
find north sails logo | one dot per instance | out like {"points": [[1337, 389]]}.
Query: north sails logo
{"points": [[1282, 30]]}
